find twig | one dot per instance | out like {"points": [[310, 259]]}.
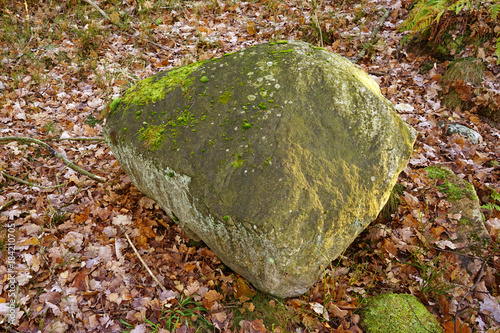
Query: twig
{"points": [[316, 22], [142, 261], [103, 13], [54, 153], [147, 40], [27, 18], [73, 139], [478, 279], [7, 204], [6, 175], [372, 36]]}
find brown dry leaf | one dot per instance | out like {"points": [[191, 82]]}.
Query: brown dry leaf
{"points": [[141, 241], [340, 329], [335, 311], [203, 29], [251, 29], [189, 266], [242, 290], [389, 247], [296, 303], [81, 218], [437, 231], [410, 199], [220, 316], [192, 288], [249, 306], [449, 327], [29, 241], [410, 221], [255, 326], [464, 90], [211, 297], [207, 253], [80, 280]]}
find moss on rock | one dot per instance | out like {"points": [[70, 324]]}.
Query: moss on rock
{"points": [[470, 235], [154, 88], [397, 313], [460, 72]]}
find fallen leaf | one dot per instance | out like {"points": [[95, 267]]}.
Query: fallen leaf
{"points": [[251, 29]]}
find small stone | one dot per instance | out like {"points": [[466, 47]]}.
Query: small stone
{"points": [[462, 130]]}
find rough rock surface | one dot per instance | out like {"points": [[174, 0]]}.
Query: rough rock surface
{"points": [[397, 313], [276, 156], [467, 232]]}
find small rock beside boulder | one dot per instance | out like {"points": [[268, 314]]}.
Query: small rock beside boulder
{"points": [[467, 233], [276, 156], [397, 313]]}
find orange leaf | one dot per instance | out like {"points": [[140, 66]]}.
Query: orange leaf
{"points": [[251, 29], [242, 290], [189, 267], [437, 231], [29, 241], [296, 303], [202, 29], [449, 327], [81, 218], [389, 247]]}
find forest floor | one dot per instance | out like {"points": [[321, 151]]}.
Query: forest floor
{"points": [[74, 266]]}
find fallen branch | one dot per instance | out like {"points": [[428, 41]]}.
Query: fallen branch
{"points": [[7, 204], [147, 40], [6, 175], [73, 139], [93, 4], [54, 153], [479, 276], [142, 261], [372, 36]]}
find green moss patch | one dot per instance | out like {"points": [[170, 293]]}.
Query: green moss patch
{"points": [[468, 70], [114, 104], [271, 310], [225, 97], [397, 313], [453, 190], [153, 88], [152, 136]]}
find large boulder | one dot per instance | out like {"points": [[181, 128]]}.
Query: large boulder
{"points": [[276, 156]]}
